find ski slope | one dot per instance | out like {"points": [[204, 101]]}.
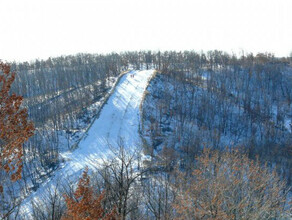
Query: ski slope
{"points": [[119, 118]]}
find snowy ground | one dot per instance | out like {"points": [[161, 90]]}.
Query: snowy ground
{"points": [[119, 118]]}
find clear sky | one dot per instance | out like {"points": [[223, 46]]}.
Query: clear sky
{"points": [[41, 28]]}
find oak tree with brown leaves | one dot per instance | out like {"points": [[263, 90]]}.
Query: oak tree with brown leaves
{"points": [[231, 186], [85, 204], [15, 129]]}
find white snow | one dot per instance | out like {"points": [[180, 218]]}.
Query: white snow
{"points": [[119, 118]]}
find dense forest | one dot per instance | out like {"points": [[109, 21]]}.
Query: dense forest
{"points": [[216, 131]]}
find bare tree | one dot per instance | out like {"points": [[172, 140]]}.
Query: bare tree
{"points": [[120, 177], [52, 206]]}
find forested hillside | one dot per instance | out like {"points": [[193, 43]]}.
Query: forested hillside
{"points": [[63, 95], [203, 116], [243, 103]]}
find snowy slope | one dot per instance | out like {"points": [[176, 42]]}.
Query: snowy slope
{"points": [[119, 118]]}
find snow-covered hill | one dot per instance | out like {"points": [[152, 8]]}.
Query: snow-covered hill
{"points": [[119, 118]]}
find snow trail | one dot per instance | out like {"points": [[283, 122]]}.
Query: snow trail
{"points": [[119, 118]]}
